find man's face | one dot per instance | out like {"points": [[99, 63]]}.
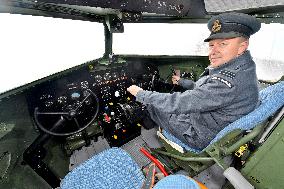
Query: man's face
{"points": [[223, 50]]}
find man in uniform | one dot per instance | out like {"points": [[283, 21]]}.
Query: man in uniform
{"points": [[227, 92]]}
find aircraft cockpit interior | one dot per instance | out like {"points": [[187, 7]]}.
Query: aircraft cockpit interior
{"points": [[81, 128]]}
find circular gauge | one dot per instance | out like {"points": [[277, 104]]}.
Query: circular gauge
{"points": [[47, 100], [98, 78], [107, 77], [87, 93], [84, 84], [123, 74], [75, 95], [48, 103], [72, 86], [45, 97], [115, 76], [62, 99]]}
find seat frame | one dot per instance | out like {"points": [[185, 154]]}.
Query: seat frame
{"points": [[194, 163]]}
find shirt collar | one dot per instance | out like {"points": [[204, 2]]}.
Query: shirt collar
{"points": [[232, 64]]}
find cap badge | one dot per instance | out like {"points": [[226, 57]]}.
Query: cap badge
{"points": [[216, 26]]}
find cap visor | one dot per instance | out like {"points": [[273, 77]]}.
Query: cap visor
{"points": [[223, 36]]}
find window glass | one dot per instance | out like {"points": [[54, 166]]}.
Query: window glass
{"points": [[266, 46], [267, 49], [161, 39], [33, 47]]}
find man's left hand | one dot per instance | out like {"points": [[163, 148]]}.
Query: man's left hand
{"points": [[133, 89]]}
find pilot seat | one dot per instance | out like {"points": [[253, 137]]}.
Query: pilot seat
{"points": [[233, 138]]}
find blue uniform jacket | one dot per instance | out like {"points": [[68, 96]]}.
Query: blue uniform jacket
{"points": [[195, 116]]}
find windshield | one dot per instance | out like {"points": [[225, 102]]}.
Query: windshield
{"points": [[161, 39], [33, 47], [187, 39]]}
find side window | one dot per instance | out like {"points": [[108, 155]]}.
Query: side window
{"points": [[266, 47]]}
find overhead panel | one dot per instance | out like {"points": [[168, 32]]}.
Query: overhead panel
{"points": [[193, 8], [33, 7]]}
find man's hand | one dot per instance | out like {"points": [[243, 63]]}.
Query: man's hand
{"points": [[133, 89], [175, 79]]}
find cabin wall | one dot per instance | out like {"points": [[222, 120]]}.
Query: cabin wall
{"points": [[17, 133]]}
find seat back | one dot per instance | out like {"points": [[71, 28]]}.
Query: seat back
{"points": [[271, 100]]}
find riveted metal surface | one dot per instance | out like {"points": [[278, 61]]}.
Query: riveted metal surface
{"points": [[193, 8]]}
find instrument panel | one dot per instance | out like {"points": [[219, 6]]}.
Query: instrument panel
{"points": [[72, 102]]}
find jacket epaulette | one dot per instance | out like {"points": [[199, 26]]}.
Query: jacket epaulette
{"points": [[228, 73]]}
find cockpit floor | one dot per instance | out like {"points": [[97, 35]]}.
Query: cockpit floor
{"points": [[147, 138], [85, 153]]}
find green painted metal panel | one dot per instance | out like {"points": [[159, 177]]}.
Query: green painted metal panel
{"points": [[265, 168]]}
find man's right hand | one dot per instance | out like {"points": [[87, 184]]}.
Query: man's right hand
{"points": [[133, 89], [175, 79]]}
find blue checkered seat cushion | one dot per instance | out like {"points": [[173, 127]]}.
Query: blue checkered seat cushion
{"points": [[115, 169], [110, 169], [176, 182], [271, 100]]}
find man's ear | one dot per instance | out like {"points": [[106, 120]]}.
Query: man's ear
{"points": [[243, 46]]}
